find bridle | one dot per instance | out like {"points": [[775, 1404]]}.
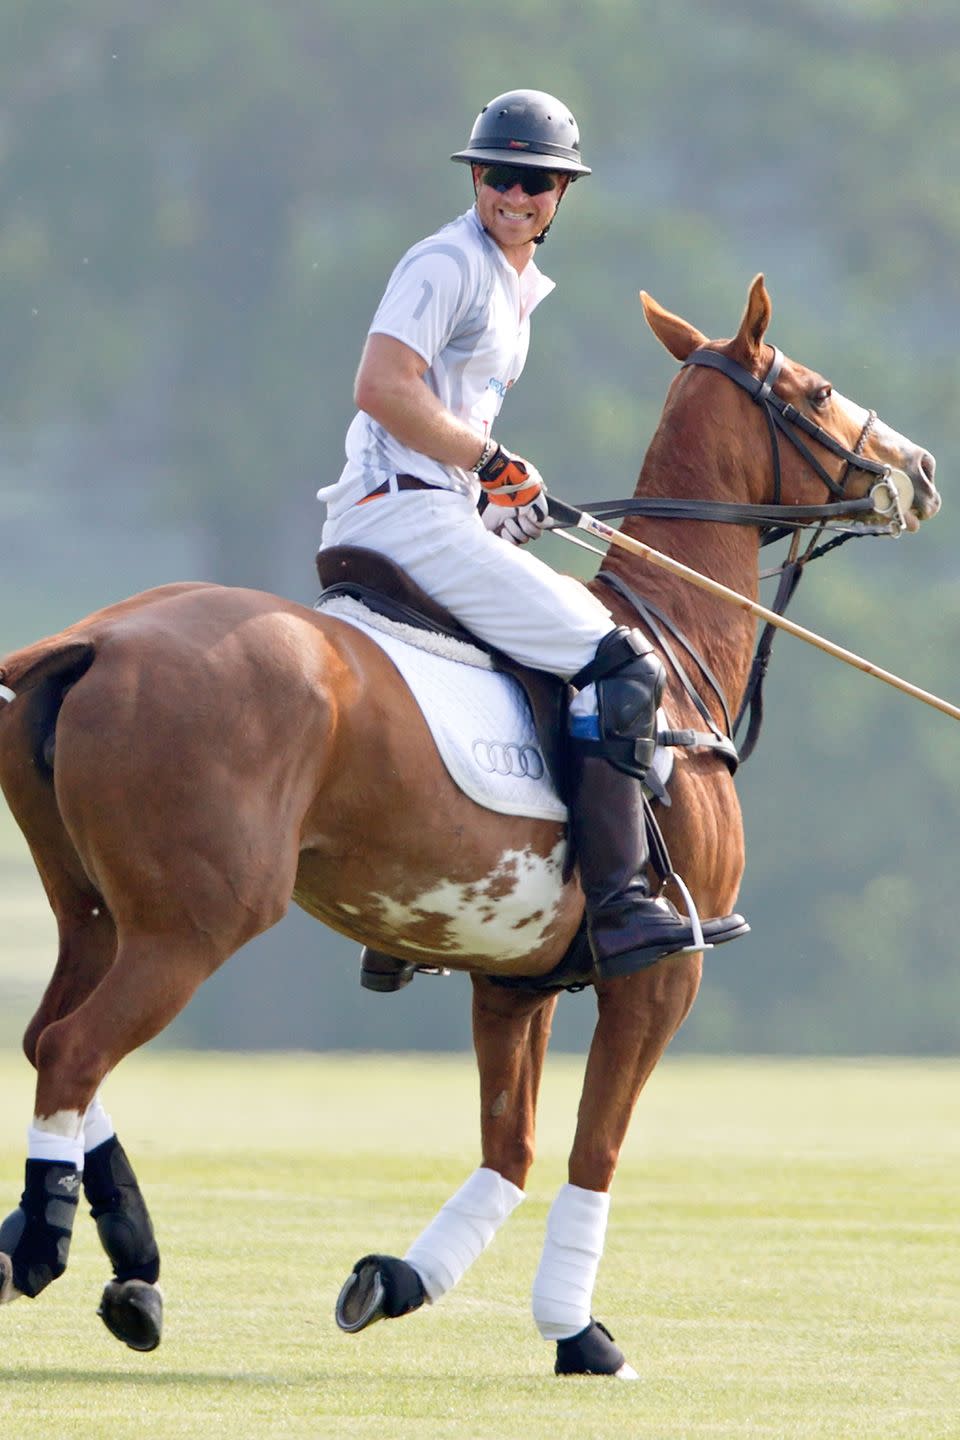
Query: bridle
{"points": [[785, 419], [775, 521]]}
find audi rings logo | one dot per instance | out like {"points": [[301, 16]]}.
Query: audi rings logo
{"points": [[523, 762]]}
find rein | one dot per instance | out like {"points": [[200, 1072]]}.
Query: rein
{"points": [[775, 522], [784, 419]]}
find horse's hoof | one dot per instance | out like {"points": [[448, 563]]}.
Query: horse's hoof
{"points": [[592, 1352], [378, 1288], [133, 1311], [8, 1291]]}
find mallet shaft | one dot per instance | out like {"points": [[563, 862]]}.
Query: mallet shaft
{"points": [[565, 514]]}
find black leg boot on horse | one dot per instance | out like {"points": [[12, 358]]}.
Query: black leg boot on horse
{"points": [[628, 927], [132, 1305], [35, 1238]]}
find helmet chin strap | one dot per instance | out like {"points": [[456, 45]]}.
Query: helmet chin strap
{"points": [[539, 239]]}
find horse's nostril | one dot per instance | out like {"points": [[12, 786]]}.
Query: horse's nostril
{"points": [[927, 497]]}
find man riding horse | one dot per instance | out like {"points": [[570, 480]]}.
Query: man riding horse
{"points": [[447, 342]]}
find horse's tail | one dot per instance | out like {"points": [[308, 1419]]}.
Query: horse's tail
{"points": [[38, 678]]}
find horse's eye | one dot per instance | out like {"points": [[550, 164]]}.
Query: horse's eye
{"points": [[822, 395]]}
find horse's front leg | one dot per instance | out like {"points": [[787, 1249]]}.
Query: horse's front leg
{"points": [[510, 1031], [637, 1017]]}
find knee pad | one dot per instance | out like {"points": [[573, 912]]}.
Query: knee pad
{"points": [[629, 680]]}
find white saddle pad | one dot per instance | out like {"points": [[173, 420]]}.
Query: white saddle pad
{"points": [[479, 718]]}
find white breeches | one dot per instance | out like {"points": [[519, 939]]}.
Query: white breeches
{"points": [[500, 592]]}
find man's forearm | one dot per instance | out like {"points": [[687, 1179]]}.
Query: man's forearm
{"points": [[413, 415]]}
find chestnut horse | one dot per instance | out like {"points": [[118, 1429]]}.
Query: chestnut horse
{"points": [[184, 762]]}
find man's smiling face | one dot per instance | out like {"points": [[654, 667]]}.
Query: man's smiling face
{"points": [[511, 216]]}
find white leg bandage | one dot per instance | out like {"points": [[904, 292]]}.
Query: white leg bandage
{"points": [[97, 1125], [57, 1137], [462, 1230], [563, 1288]]}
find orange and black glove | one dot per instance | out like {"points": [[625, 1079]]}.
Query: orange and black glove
{"points": [[508, 480]]}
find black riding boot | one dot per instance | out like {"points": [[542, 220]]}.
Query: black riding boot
{"points": [[385, 973], [627, 927], [379, 971]]}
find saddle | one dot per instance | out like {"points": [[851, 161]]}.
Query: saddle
{"points": [[385, 588]]}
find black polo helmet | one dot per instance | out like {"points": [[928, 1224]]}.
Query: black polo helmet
{"points": [[525, 127]]}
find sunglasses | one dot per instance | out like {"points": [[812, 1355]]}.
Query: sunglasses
{"points": [[531, 181]]}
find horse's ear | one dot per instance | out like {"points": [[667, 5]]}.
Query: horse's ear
{"points": [[679, 337], [756, 318]]}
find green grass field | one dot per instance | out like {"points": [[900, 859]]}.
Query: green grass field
{"points": [[782, 1258]]}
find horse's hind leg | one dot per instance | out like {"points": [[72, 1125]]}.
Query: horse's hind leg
{"points": [[190, 868], [511, 1029], [131, 1306], [150, 981]]}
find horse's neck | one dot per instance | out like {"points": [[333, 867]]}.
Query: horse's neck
{"points": [[721, 633]]}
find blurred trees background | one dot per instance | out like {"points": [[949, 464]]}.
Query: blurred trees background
{"points": [[200, 207]]}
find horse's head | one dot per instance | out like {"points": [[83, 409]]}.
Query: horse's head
{"points": [[836, 446]]}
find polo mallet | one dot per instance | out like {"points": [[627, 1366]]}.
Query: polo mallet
{"points": [[565, 515]]}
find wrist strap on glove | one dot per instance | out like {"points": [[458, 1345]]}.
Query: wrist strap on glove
{"points": [[506, 478]]}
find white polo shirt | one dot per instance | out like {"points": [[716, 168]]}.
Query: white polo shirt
{"points": [[456, 300]]}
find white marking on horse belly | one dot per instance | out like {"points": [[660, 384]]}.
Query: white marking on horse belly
{"points": [[503, 915]]}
